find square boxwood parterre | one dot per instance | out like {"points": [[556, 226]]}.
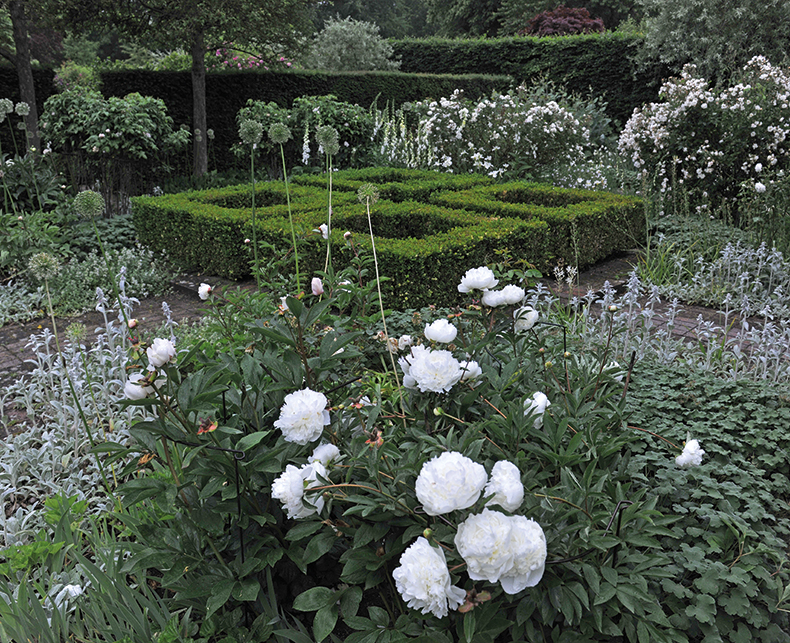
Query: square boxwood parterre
{"points": [[429, 227]]}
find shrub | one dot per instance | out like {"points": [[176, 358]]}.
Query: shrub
{"points": [[510, 135], [350, 45], [563, 21], [124, 144], [423, 244], [71, 76], [718, 38], [711, 142], [354, 126]]}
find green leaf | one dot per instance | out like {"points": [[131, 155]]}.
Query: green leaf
{"points": [[314, 599], [606, 594], [251, 440], [703, 608], [219, 595], [302, 530], [469, 627], [246, 590], [318, 546], [324, 622]]}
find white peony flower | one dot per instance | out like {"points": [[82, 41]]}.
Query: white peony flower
{"points": [[303, 416], [325, 453], [528, 545], [324, 230], [160, 352], [289, 489], [424, 581], [136, 391], [537, 405], [759, 187], [483, 541], [429, 370], [493, 298], [691, 456], [317, 286], [471, 370], [404, 342], [441, 331], [448, 482], [513, 294], [505, 484], [481, 278], [525, 319], [204, 291]]}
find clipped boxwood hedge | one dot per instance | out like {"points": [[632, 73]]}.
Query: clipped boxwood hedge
{"points": [[430, 227]]}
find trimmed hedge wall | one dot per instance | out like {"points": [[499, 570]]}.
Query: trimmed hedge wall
{"points": [[430, 227], [600, 64]]}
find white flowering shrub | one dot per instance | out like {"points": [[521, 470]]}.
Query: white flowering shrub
{"points": [[505, 135], [711, 141]]}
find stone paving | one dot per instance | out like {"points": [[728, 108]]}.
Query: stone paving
{"points": [[186, 306]]}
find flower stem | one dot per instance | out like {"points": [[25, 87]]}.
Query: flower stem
{"points": [[291, 219]]}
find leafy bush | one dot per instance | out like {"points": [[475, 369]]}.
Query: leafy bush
{"points": [[71, 76], [353, 124], [718, 39], [709, 142], [74, 288], [350, 45], [563, 21], [123, 144], [513, 135]]}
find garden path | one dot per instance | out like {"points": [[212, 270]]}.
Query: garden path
{"points": [[186, 307]]}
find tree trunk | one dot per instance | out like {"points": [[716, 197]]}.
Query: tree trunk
{"points": [[199, 104], [27, 90]]}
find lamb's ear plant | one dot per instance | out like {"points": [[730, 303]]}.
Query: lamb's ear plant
{"points": [[251, 132]]}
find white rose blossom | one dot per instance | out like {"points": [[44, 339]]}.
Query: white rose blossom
{"points": [[524, 319], [423, 580], [448, 482], [204, 291], [303, 416], [441, 331], [537, 405], [160, 352], [505, 484], [481, 278], [691, 455], [513, 294], [289, 489], [136, 391], [493, 298], [483, 541]]}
